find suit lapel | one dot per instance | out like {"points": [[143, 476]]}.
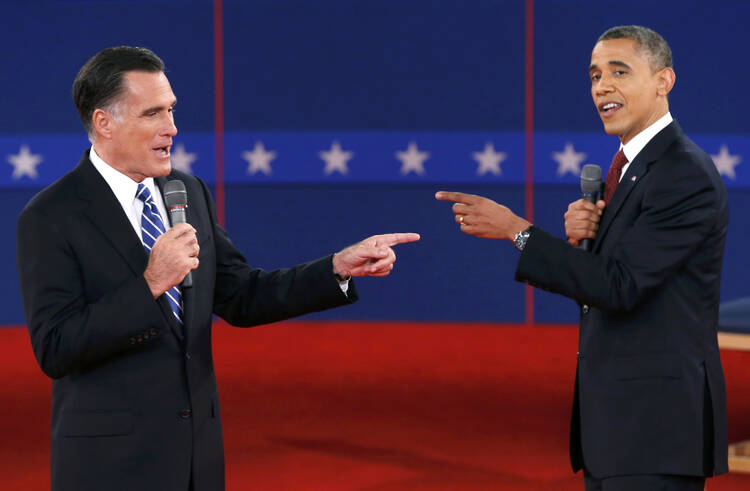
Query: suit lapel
{"points": [[634, 175], [106, 214]]}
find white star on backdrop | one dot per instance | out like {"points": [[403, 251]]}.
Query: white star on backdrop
{"points": [[412, 160], [726, 162], [24, 163], [259, 159], [182, 160], [489, 160], [568, 160], [336, 159]]}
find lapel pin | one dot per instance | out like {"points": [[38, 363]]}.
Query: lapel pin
{"points": [[633, 178]]}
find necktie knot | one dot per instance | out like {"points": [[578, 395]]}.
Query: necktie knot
{"points": [[143, 194], [613, 175]]}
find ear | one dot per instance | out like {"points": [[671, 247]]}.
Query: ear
{"points": [[103, 123], [665, 80]]}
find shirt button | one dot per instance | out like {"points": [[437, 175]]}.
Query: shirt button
{"points": [[585, 309], [186, 413]]}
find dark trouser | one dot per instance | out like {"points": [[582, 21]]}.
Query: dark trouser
{"points": [[644, 482]]}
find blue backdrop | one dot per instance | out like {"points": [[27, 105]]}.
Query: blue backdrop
{"points": [[343, 117]]}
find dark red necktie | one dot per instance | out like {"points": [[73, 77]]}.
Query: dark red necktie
{"points": [[613, 175]]}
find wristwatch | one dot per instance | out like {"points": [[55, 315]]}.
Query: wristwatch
{"points": [[521, 238]]}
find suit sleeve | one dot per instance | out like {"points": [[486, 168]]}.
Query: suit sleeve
{"points": [[247, 296], [70, 332], [677, 214]]}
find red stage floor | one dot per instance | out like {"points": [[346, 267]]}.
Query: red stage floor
{"points": [[370, 406]]}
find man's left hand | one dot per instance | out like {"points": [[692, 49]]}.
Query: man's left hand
{"points": [[483, 217], [373, 256]]}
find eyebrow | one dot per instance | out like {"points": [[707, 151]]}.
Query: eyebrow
{"points": [[157, 108], [613, 62]]}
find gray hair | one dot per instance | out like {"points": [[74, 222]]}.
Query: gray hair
{"points": [[649, 43]]}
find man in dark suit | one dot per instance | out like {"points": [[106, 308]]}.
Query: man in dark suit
{"points": [[135, 403], [650, 407]]}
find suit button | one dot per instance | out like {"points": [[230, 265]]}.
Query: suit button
{"points": [[186, 413], [139, 338], [132, 341], [153, 331], [146, 336], [188, 355], [585, 309]]}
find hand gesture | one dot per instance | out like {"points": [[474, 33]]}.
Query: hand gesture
{"points": [[373, 256], [483, 217]]}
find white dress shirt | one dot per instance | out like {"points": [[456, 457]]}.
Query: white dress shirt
{"points": [[632, 148], [124, 189]]}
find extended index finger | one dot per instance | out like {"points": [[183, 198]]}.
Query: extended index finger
{"points": [[397, 238], [456, 197]]}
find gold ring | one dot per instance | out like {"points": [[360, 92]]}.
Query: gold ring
{"points": [[461, 220]]}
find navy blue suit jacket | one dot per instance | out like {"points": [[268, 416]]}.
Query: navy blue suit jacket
{"points": [[650, 396], [135, 403]]}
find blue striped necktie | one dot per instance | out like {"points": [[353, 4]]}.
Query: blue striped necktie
{"points": [[152, 227]]}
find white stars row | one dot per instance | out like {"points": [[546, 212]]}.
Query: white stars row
{"points": [[336, 159]]}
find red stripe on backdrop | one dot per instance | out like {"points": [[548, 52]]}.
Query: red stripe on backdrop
{"points": [[529, 130], [219, 106]]}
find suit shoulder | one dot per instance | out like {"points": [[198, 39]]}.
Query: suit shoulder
{"points": [[685, 159], [54, 200]]}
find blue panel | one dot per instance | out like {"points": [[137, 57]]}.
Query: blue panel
{"points": [[446, 276], [342, 64]]}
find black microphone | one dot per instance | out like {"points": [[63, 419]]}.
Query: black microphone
{"points": [[175, 197], [591, 184]]}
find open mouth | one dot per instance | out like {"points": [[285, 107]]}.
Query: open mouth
{"points": [[162, 151], [609, 108]]}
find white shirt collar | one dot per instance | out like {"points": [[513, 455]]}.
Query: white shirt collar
{"points": [[634, 146], [122, 186]]}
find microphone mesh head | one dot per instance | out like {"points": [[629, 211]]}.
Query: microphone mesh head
{"points": [[175, 194], [591, 178]]}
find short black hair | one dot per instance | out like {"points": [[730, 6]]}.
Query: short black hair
{"points": [[649, 42], [99, 82]]}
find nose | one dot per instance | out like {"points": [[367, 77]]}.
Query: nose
{"points": [[170, 129], [603, 86]]}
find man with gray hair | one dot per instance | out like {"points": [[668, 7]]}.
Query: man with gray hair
{"points": [[649, 410]]}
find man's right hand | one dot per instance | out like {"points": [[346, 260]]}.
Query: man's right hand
{"points": [[582, 220], [174, 254]]}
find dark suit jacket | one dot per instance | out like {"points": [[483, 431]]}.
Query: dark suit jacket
{"points": [[135, 404], [650, 395]]}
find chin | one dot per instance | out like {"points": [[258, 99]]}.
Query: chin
{"points": [[611, 130], [162, 169]]}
